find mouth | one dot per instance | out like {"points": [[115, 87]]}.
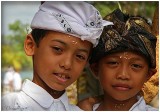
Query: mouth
{"points": [[121, 87], [62, 77]]}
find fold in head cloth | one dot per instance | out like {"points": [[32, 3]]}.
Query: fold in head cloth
{"points": [[76, 18], [128, 33]]}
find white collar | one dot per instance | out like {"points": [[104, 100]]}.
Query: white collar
{"points": [[41, 96], [141, 104]]}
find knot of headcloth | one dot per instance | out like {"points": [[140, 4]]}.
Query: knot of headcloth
{"points": [[76, 18], [128, 33]]}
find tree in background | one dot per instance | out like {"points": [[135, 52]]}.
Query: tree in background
{"points": [[143, 8], [12, 47]]}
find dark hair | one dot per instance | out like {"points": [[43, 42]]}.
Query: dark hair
{"points": [[38, 35]]}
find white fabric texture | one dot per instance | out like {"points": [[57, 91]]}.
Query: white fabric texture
{"points": [[34, 98], [76, 18], [140, 105]]}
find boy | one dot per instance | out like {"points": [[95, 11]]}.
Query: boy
{"points": [[63, 34], [123, 61]]}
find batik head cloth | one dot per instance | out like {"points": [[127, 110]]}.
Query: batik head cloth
{"points": [[76, 18], [128, 33]]}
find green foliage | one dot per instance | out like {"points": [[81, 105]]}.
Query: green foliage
{"points": [[105, 7], [142, 8], [12, 47]]}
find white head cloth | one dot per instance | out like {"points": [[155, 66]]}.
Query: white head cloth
{"points": [[76, 18]]}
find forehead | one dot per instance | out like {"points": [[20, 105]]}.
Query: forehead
{"points": [[129, 54], [67, 39]]}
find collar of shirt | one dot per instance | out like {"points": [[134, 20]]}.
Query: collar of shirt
{"points": [[142, 106], [41, 96]]}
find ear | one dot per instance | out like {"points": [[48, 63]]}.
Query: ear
{"points": [[94, 69], [29, 45], [151, 72]]}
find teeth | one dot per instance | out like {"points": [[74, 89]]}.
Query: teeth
{"points": [[62, 76]]}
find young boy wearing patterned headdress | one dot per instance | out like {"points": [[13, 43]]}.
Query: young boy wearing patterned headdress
{"points": [[123, 61], [63, 34]]}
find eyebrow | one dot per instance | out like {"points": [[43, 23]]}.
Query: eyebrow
{"points": [[84, 50], [60, 41], [81, 49]]}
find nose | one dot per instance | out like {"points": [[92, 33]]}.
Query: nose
{"points": [[66, 62], [123, 73]]}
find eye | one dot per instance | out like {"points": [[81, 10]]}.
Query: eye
{"points": [[81, 57], [57, 49], [112, 63], [136, 66]]}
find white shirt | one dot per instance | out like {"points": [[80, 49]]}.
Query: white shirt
{"points": [[34, 98], [138, 106]]}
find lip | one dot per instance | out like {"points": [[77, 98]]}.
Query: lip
{"points": [[121, 87], [62, 77]]}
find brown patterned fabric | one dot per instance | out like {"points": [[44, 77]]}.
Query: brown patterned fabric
{"points": [[127, 33]]}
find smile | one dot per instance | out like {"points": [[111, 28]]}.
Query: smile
{"points": [[121, 87], [62, 77]]}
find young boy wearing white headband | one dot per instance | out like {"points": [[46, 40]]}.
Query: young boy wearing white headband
{"points": [[63, 34]]}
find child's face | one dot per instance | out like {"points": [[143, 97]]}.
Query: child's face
{"points": [[59, 60], [122, 74]]}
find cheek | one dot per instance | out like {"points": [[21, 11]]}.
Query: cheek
{"points": [[77, 69], [104, 75], [139, 80], [44, 61]]}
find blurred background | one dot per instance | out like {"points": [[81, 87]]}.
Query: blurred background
{"points": [[16, 17]]}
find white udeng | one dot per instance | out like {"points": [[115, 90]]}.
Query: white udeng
{"points": [[79, 19]]}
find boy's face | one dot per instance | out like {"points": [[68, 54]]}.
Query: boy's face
{"points": [[59, 59], [122, 74]]}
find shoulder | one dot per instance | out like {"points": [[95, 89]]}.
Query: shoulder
{"points": [[142, 106], [13, 101], [150, 108], [9, 97], [8, 101]]}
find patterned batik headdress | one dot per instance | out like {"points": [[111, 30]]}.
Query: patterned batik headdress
{"points": [[127, 33]]}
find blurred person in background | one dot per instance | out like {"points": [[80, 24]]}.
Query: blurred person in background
{"points": [[17, 81], [12, 81], [8, 80]]}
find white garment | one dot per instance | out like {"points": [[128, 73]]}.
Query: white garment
{"points": [[76, 18], [17, 81], [138, 106], [34, 98]]}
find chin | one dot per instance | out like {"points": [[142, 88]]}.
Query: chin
{"points": [[58, 88], [121, 98]]}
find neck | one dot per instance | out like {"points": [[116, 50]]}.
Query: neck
{"points": [[56, 94], [115, 105]]}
